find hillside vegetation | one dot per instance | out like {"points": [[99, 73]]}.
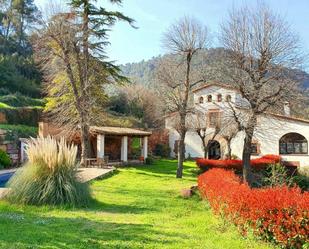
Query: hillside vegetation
{"points": [[20, 79], [143, 72], [212, 60]]}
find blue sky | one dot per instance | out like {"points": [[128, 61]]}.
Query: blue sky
{"points": [[154, 16]]}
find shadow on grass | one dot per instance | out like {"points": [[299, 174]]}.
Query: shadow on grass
{"points": [[96, 205], [167, 168], [73, 233]]}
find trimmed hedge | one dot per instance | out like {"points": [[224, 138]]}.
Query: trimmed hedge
{"points": [[278, 214], [14, 132], [19, 100], [236, 164], [22, 115]]}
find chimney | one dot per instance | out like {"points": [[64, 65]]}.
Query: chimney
{"points": [[286, 109]]}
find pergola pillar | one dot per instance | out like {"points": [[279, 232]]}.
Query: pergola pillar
{"points": [[124, 149], [145, 147], [100, 145]]}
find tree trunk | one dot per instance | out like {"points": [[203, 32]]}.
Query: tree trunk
{"points": [[181, 145], [21, 25], [86, 45], [246, 155], [183, 115], [85, 143], [229, 150], [181, 154], [206, 147], [85, 140], [9, 22], [205, 152]]}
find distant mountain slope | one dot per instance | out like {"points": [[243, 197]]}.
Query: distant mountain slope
{"points": [[144, 72]]}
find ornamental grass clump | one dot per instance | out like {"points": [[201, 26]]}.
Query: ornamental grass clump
{"points": [[49, 176]]}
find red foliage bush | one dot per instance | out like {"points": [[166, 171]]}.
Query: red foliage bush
{"points": [[279, 214], [258, 163], [157, 137]]}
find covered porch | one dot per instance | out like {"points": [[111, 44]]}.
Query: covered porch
{"points": [[114, 145]]}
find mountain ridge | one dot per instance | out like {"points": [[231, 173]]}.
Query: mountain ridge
{"points": [[143, 72]]}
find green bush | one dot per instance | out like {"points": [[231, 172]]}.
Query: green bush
{"points": [[14, 132], [277, 175], [301, 181], [12, 79], [302, 178], [49, 177], [135, 148], [5, 160], [22, 115], [149, 160], [162, 150]]}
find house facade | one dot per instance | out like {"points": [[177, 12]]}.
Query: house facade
{"points": [[215, 106]]}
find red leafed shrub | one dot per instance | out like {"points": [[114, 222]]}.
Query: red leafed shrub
{"points": [[204, 164], [259, 163], [279, 214]]}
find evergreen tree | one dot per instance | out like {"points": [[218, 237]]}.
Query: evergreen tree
{"points": [[76, 41]]}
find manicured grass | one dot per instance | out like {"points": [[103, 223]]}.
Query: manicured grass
{"points": [[137, 207]]}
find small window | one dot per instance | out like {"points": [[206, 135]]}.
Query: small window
{"points": [[228, 98], [201, 100], [209, 98], [214, 119], [219, 98]]}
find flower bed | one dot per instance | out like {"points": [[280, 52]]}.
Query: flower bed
{"points": [[259, 163], [279, 214]]}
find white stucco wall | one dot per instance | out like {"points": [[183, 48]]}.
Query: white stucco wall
{"points": [[213, 91], [268, 132], [193, 143]]}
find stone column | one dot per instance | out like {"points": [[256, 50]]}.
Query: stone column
{"points": [[23, 155], [145, 147], [124, 149], [100, 145], [141, 144]]}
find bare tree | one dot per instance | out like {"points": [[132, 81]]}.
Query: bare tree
{"points": [[148, 101], [229, 131], [262, 48], [184, 39], [198, 123]]}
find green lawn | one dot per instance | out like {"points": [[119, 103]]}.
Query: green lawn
{"points": [[137, 207]]}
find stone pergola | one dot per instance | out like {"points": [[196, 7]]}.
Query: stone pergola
{"points": [[124, 133]]}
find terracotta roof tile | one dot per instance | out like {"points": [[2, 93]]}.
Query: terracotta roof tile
{"points": [[118, 131]]}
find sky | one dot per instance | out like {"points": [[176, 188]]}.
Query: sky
{"points": [[153, 17]]}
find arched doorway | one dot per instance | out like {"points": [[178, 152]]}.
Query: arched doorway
{"points": [[214, 150], [293, 143]]}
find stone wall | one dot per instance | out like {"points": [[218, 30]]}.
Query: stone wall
{"points": [[10, 147]]}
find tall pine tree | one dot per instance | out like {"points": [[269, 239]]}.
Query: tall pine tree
{"points": [[77, 41]]}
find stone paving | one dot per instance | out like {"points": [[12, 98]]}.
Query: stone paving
{"points": [[88, 174], [83, 174]]}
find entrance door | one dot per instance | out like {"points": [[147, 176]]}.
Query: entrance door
{"points": [[214, 151]]}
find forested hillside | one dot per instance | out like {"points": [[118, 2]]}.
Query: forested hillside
{"points": [[20, 78], [144, 73]]}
